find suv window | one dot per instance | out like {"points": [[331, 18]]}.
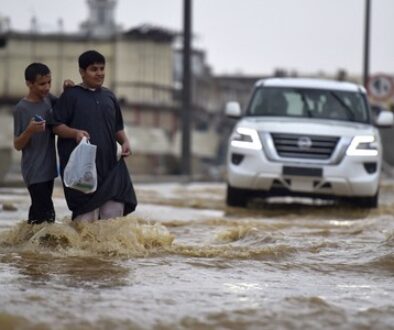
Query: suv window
{"points": [[309, 103]]}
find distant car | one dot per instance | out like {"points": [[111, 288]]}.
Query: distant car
{"points": [[305, 137]]}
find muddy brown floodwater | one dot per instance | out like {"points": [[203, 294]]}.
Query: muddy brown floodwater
{"points": [[185, 261]]}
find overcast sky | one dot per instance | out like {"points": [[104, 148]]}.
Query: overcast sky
{"points": [[247, 36]]}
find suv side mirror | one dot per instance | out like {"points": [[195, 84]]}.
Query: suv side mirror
{"points": [[385, 119], [233, 109]]}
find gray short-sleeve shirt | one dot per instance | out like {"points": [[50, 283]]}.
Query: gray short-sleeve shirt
{"points": [[39, 155]]}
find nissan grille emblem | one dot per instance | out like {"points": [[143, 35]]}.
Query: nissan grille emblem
{"points": [[304, 142]]}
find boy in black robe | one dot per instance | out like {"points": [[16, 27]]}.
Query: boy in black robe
{"points": [[90, 110]]}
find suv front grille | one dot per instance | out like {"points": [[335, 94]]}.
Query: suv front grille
{"points": [[304, 146]]}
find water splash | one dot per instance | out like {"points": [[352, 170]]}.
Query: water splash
{"points": [[119, 237]]}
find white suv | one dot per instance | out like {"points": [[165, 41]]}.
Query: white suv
{"points": [[305, 137]]}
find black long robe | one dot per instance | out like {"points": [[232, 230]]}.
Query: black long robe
{"points": [[97, 112]]}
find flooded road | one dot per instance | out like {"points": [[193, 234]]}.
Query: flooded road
{"points": [[185, 261]]}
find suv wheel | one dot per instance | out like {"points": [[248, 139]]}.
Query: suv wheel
{"points": [[366, 202], [236, 197]]}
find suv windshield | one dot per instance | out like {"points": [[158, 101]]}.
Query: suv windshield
{"points": [[309, 103]]}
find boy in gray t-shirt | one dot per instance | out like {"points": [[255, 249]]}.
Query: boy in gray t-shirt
{"points": [[33, 135]]}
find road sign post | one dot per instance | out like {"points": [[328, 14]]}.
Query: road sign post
{"points": [[381, 87]]}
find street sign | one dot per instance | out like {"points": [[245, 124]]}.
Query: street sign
{"points": [[381, 87]]}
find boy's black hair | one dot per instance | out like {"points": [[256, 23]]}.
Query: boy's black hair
{"points": [[90, 57], [36, 69]]}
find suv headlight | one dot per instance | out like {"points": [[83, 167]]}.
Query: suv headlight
{"points": [[363, 145], [246, 138]]}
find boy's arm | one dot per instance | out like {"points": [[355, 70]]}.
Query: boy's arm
{"points": [[23, 139], [121, 137], [69, 133]]}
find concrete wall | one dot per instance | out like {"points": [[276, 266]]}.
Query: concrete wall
{"points": [[136, 70], [143, 71]]}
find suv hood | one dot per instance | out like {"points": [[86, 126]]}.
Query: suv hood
{"points": [[307, 126]]}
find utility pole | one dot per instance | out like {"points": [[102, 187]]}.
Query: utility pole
{"points": [[186, 88], [366, 42]]}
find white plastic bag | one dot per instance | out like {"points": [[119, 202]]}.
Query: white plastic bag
{"points": [[80, 172]]}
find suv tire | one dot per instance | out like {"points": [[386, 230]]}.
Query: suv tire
{"points": [[236, 197], [366, 202]]}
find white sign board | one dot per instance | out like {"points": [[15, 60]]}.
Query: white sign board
{"points": [[381, 87]]}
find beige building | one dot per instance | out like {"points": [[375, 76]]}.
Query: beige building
{"points": [[139, 62], [139, 70], [143, 71]]}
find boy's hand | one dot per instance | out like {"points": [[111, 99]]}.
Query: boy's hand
{"points": [[80, 134], [126, 150], [68, 83], [36, 126]]}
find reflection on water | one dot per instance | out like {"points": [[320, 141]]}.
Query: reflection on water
{"points": [[75, 271], [185, 261]]}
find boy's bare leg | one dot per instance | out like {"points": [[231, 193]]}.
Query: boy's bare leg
{"points": [[111, 209], [89, 216]]}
